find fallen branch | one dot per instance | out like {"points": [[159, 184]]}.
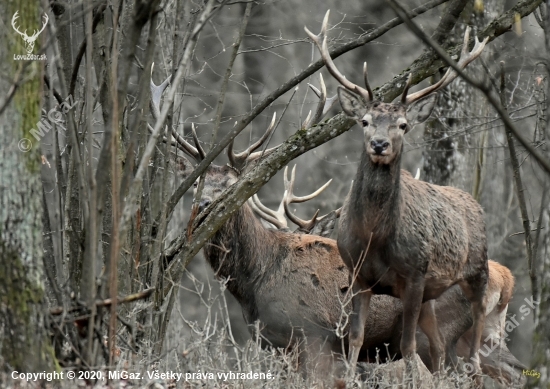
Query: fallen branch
{"points": [[106, 303]]}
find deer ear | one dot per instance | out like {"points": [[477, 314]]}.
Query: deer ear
{"points": [[420, 110], [351, 103]]}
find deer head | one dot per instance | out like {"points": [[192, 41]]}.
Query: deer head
{"points": [[218, 179], [29, 40], [385, 124]]}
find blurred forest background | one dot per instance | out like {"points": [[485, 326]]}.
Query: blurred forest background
{"points": [[86, 205]]}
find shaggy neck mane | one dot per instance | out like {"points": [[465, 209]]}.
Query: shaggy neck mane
{"points": [[239, 250], [374, 198]]}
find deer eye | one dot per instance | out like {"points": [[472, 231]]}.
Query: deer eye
{"points": [[365, 123], [403, 126]]}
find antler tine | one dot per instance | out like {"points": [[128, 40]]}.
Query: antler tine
{"points": [[277, 218], [331, 67], [239, 160], [338, 211], [319, 113], [289, 187], [465, 58], [156, 95], [307, 122], [406, 89], [198, 146], [366, 79], [329, 100], [291, 198]]}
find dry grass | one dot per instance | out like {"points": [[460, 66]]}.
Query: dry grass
{"points": [[202, 348]]}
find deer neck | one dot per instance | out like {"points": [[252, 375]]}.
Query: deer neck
{"points": [[240, 251], [375, 196]]}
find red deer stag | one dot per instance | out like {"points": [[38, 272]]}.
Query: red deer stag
{"points": [[400, 236], [294, 284]]}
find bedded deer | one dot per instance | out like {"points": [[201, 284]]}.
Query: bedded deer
{"points": [[294, 284], [400, 236]]}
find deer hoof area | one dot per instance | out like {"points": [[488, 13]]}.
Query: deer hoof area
{"points": [[395, 373]]}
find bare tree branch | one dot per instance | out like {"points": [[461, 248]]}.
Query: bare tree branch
{"points": [[430, 62], [311, 69], [132, 200], [107, 302], [301, 142], [482, 87], [519, 190]]}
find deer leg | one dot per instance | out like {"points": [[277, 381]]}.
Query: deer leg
{"points": [[360, 302], [411, 296], [478, 313], [451, 355], [412, 303], [475, 291], [428, 323]]}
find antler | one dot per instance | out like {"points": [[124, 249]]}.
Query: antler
{"points": [[13, 19], [156, 93], [465, 58], [240, 160], [290, 198], [366, 94], [323, 106], [277, 218]]}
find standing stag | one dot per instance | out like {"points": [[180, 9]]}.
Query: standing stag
{"points": [[295, 284], [400, 236]]}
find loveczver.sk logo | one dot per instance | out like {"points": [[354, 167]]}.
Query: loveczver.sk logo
{"points": [[29, 40]]}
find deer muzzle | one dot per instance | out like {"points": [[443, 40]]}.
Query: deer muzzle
{"points": [[379, 146]]}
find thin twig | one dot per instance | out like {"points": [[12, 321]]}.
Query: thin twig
{"points": [[82, 49], [519, 189], [133, 198]]}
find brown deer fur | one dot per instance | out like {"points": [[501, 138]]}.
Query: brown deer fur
{"points": [[293, 284], [407, 238], [495, 359]]}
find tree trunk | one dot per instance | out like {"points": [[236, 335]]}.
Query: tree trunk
{"points": [[24, 345], [454, 156]]}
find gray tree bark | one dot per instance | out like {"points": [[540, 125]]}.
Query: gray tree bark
{"points": [[24, 345]]}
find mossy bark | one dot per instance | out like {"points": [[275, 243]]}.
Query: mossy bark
{"points": [[24, 343]]}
